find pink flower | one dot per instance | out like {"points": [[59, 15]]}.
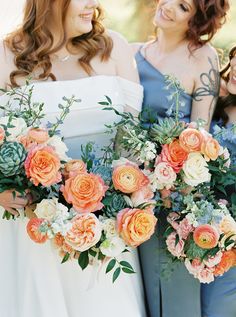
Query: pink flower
{"points": [[184, 229], [2, 135], [176, 249], [194, 267], [38, 135], [174, 155], [164, 176], [206, 276], [212, 261], [145, 194], [171, 218], [85, 232]]}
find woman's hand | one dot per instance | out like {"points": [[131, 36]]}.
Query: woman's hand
{"points": [[12, 200]]}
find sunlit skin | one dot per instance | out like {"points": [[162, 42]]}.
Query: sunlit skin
{"points": [[231, 85]]}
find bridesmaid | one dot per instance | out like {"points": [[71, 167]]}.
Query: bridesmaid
{"points": [[178, 50], [219, 298]]}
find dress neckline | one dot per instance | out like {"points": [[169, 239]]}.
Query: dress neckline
{"points": [[162, 75]]}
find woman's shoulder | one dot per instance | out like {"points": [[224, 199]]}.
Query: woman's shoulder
{"points": [[205, 54], [6, 62]]}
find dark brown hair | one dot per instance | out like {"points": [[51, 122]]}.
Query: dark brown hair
{"points": [[209, 17], [226, 101], [32, 42]]}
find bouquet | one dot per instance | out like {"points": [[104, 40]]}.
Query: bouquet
{"points": [[31, 155], [101, 212]]}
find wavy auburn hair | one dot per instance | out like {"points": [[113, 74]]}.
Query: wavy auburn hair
{"points": [[229, 100], [32, 42], [209, 17]]}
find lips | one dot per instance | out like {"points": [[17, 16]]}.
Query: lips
{"points": [[86, 16], [165, 15]]}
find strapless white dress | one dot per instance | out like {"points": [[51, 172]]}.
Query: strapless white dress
{"points": [[33, 283]]}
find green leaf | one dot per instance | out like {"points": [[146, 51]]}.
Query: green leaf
{"points": [[92, 252], [110, 265], [109, 100], [126, 264], [83, 260], [103, 103], [66, 258], [126, 270], [116, 274]]}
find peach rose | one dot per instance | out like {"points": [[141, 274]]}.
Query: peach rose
{"points": [[73, 167], [26, 142], [206, 236], [33, 230], [2, 135], [228, 260], [85, 192], [176, 249], [164, 176], [212, 261], [42, 166], [135, 226], [145, 194], [191, 140], [210, 148], [85, 232], [128, 178], [38, 135], [194, 267], [228, 225], [174, 155], [206, 275]]}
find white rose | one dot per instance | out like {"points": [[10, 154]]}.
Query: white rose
{"points": [[112, 247], [196, 170], [224, 153], [163, 177], [19, 124], [109, 227], [49, 208], [60, 147]]}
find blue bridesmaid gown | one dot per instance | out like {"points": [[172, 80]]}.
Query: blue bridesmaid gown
{"points": [[178, 296], [219, 297]]}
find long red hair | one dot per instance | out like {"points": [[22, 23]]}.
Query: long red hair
{"points": [[32, 43]]}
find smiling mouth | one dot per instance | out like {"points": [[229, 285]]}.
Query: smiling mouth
{"points": [[165, 16], [86, 16]]}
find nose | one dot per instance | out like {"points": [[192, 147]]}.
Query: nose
{"points": [[168, 5], [92, 4]]}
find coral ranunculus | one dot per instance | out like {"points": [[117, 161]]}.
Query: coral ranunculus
{"points": [[85, 192], [191, 140], [206, 236], [128, 178], [174, 154], [38, 135], [135, 226], [33, 230], [85, 232], [42, 166], [228, 260], [210, 148]]}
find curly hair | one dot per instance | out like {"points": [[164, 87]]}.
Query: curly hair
{"points": [[226, 101], [32, 43], [209, 17]]}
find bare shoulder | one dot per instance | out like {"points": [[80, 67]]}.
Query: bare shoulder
{"points": [[136, 47], [206, 55]]}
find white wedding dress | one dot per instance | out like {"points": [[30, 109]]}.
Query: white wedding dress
{"points": [[33, 283]]}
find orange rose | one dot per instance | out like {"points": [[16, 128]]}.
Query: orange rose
{"points": [[210, 148], [206, 236], [85, 192], [191, 140], [228, 260], [174, 154], [42, 166], [38, 135], [33, 230], [85, 232], [135, 226], [129, 178], [73, 167], [26, 142]]}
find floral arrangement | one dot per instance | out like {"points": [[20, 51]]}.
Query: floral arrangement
{"points": [[203, 235], [102, 211], [31, 155]]}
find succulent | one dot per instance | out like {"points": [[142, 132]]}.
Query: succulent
{"points": [[113, 204], [12, 156], [166, 130], [104, 171]]}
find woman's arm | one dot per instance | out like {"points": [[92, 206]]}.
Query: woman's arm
{"points": [[207, 84]]}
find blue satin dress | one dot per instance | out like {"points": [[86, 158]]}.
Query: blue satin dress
{"points": [[178, 296], [219, 297]]}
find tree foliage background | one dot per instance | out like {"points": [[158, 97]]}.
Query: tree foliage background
{"points": [[133, 18]]}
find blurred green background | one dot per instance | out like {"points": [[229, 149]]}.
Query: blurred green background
{"points": [[133, 18]]}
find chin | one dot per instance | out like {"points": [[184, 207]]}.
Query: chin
{"points": [[231, 88]]}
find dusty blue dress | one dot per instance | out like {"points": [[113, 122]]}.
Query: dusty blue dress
{"points": [[219, 297], [180, 295]]}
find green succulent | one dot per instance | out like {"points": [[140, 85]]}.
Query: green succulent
{"points": [[12, 157], [166, 130], [104, 171], [113, 204]]}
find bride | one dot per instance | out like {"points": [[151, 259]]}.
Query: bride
{"points": [[63, 46]]}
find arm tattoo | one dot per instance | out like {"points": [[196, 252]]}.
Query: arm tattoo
{"points": [[210, 84]]}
